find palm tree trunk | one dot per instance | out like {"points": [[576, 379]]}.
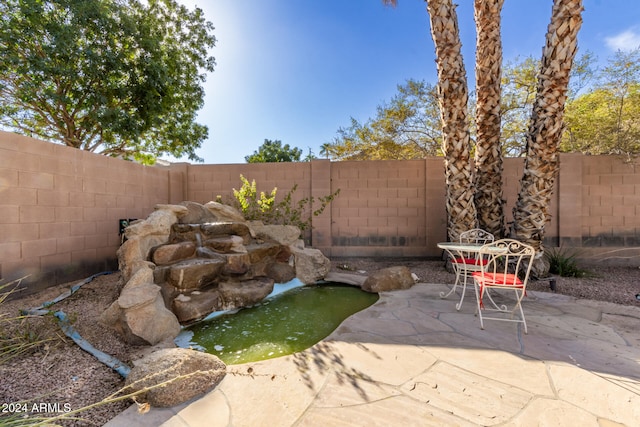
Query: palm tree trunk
{"points": [[488, 158], [453, 98], [530, 213]]}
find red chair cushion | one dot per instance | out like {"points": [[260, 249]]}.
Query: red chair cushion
{"points": [[473, 261], [500, 279]]}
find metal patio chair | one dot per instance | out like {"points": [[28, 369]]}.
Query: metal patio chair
{"points": [[465, 262], [507, 267]]}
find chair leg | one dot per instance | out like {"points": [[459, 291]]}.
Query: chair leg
{"points": [[453, 289], [464, 290], [519, 297], [478, 307], [513, 315]]}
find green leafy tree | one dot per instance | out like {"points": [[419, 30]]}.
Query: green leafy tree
{"points": [[120, 78], [606, 120], [408, 127], [519, 86], [273, 152]]}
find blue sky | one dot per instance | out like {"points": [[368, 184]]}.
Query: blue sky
{"points": [[297, 70]]}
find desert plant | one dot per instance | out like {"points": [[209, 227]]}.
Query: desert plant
{"points": [[262, 207], [564, 263], [16, 335], [252, 206]]}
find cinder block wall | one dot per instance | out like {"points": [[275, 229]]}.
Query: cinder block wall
{"points": [[207, 182], [609, 210], [59, 207], [381, 210]]}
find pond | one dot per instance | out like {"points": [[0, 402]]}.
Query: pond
{"points": [[291, 321]]}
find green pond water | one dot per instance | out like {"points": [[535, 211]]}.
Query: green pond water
{"points": [[280, 325]]}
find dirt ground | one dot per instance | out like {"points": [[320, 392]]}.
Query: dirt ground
{"points": [[58, 372]]}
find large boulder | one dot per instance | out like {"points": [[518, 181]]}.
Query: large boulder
{"points": [[283, 234], [310, 264], [389, 279], [159, 222], [244, 294], [140, 316], [133, 254], [224, 212], [196, 214], [143, 275], [345, 278], [194, 273], [195, 305], [281, 272], [167, 254], [227, 244], [174, 376]]}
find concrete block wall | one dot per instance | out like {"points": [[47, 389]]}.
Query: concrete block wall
{"points": [[610, 208], [381, 208], [59, 207], [206, 182]]}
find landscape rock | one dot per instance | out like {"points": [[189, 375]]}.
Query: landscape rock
{"points": [[236, 264], [196, 214], [196, 305], [184, 374], [244, 294], [224, 212], [144, 274], [389, 279], [194, 273], [346, 278], [281, 272], [140, 316], [203, 258], [167, 254], [217, 229], [227, 244], [158, 223], [283, 234], [133, 253], [310, 265]]}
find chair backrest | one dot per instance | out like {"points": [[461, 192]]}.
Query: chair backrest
{"points": [[510, 258], [476, 235]]}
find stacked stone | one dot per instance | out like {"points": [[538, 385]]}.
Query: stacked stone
{"points": [[186, 261]]}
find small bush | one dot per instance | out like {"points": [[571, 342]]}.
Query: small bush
{"points": [[252, 206], [263, 207], [564, 263]]}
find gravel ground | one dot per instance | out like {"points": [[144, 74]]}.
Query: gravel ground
{"points": [[59, 372]]}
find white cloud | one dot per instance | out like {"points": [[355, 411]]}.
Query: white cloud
{"points": [[626, 40]]}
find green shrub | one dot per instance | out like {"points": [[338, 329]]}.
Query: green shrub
{"points": [[564, 263], [252, 206], [263, 207]]}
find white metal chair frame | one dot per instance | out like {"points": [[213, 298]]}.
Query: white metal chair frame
{"points": [[508, 267], [464, 263]]}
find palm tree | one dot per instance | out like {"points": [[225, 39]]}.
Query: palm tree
{"points": [[453, 98], [325, 150], [488, 157], [530, 213]]}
